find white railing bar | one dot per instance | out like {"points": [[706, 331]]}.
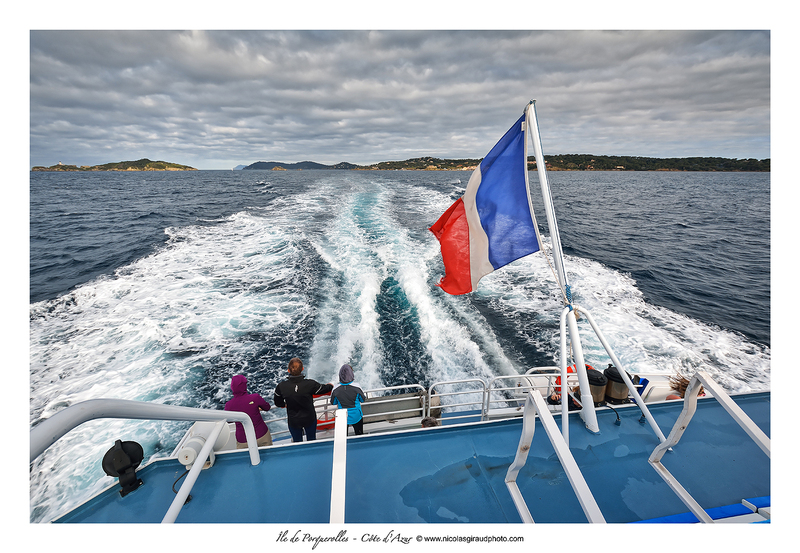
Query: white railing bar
{"points": [[634, 393], [465, 416], [535, 405], [414, 410], [507, 388], [47, 432], [191, 478], [339, 471], [543, 371], [475, 403], [525, 440], [476, 391], [464, 381], [522, 389], [390, 388], [481, 391], [689, 409], [398, 387], [392, 400]]}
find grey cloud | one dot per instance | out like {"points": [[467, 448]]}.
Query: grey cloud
{"points": [[217, 99]]}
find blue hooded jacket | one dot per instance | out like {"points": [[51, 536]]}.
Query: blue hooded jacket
{"points": [[348, 396]]}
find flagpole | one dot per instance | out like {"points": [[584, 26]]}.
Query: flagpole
{"points": [[552, 224], [587, 411]]}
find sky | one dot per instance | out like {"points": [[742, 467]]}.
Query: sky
{"points": [[217, 99]]}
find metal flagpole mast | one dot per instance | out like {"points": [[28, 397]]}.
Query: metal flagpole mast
{"points": [[555, 236], [587, 411]]}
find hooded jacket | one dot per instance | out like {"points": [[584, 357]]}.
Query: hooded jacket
{"points": [[296, 393], [251, 404], [348, 395]]}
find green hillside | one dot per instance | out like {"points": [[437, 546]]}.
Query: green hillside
{"points": [[139, 165]]}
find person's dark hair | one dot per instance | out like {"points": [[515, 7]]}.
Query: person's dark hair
{"points": [[428, 422], [295, 366]]}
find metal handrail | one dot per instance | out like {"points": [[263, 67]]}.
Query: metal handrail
{"points": [[524, 388], [339, 467], [482, 392], [389, 388], [550, 372], [52, 429]]}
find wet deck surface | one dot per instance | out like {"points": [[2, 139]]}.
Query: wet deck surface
{"points": [[456, 474]]}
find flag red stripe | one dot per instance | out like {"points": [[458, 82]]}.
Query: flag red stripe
{"points": [[452, 231]]}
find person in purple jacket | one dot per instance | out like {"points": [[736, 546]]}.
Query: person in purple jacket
{"points": [[252, 404]]}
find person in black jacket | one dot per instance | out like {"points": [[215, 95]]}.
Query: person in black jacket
{"points": [[296, 394]]}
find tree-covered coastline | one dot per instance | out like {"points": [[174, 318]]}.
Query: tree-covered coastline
{"points": [[563, 162], [139, 165]]}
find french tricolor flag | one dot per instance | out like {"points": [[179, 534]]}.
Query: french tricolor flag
{"points": [[492, 224]]}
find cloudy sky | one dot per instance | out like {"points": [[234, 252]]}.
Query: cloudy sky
{"points": [[214, 100]]}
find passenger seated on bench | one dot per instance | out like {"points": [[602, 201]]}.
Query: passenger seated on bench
{"points": [[429, 422], [679, 383], [555, 399]]}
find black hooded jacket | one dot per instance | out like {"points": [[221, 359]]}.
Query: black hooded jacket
{"points": [[296, 393]]}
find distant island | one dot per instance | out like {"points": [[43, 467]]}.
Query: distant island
{"points": [[140, 165], [563, 162]]}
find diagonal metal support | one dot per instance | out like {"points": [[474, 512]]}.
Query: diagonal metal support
{"points": [[689, 409], [534, 404]]}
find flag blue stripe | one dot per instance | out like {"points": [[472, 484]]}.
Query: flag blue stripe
{"points": [[502, 200]]}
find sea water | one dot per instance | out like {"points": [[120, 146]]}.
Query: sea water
{"points": [[162, 286]]}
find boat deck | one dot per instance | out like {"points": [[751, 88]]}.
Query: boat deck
{"points": [[456, 474]]}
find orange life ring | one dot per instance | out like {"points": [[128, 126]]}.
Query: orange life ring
{"points": [[327, 419], [570, 369]]}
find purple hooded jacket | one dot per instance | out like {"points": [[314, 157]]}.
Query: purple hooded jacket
{"points": [[247, 403]]}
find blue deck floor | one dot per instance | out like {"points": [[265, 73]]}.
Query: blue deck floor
{"points": [[456, 474]]}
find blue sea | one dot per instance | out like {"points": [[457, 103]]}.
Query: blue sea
{"points": [[160, 286]]}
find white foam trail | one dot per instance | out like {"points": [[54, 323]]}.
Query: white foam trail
{"points": [[645, 338], [149, 334], [359, 260]]}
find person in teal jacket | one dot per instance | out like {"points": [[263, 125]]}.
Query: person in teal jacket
{"points": [[347, 395]]}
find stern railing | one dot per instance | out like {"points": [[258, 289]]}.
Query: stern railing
{"points": [[689, 408]]}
